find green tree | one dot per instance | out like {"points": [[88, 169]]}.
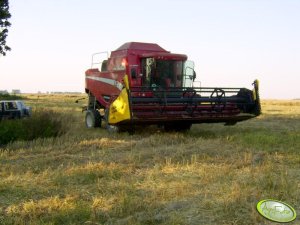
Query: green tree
{"points": [[4, 24]]}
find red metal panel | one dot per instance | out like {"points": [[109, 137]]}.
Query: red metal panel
{"points": [[141, 46]]}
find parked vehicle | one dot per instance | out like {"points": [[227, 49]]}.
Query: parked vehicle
{"points": [[142, 83], [14, 109]]}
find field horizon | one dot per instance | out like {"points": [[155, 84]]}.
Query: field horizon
{"points": [[212, 174]]}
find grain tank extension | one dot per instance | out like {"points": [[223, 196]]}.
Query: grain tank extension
{"points": [[142, 83]]}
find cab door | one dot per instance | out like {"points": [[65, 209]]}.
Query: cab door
{"points": [[136, 79], [189, 74]]}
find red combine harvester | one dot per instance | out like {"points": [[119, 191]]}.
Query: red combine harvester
{"points": [[142, 83]]}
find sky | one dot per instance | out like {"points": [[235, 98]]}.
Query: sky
{"points": [[232, 42]]}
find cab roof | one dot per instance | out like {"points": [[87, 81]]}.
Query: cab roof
{"points": [[145, 50], [141, 46]]}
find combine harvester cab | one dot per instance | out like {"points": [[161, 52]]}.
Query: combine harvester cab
{"points": [[141, 83]]}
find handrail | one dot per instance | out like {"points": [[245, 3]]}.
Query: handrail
{"points": [[98, 53]]}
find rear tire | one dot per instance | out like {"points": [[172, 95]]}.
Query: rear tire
{"points": [[92, 119]]}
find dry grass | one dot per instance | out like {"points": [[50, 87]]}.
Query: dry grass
{"points": [[209, 175]]}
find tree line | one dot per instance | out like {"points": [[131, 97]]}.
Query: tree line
{"points": [[4, 24]]}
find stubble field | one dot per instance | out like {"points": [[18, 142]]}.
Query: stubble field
{"points": [[212, 174]]}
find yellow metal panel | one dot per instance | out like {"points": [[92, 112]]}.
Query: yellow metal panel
{"points": [[254, 94], [119, 109], [126, 82], [256, 88]]}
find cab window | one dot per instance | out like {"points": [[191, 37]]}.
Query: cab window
{"points": [[10, 106], [162, 73]]}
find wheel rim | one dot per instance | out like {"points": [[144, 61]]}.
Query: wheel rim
{"points": [[89, 121]]}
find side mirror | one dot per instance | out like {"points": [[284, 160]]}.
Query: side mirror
{"points": [[194, 75], [133, 73]]}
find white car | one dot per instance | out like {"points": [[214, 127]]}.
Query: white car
{"points": [[12, 109]]}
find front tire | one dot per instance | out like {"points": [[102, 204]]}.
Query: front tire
{"points": [[177, 126], [92, 119], [110, 128]]}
